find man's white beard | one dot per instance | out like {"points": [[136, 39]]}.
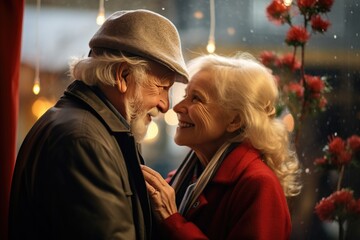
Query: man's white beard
{"points": [[139, 127], [137, 116]]}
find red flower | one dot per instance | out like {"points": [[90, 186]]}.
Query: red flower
{"points": [[325, 209], [322, 102], [320, 161], [306, 5], [354, 143], [289, 60], [324, 5], [343, 158], [336, 145], [318, 24], [277, 12], [315, 84], [295, 88], [343, 196], [269, 59], [355, 207], [339, 204], [297, 36]]}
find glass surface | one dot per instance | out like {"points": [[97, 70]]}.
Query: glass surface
{"points": [[62, 29]]}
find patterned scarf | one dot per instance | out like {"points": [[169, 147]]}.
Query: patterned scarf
{"points": [[187, 190]]}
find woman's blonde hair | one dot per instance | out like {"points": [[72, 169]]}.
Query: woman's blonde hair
{"points": [[247, 87]]}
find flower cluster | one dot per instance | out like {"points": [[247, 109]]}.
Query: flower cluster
{"points": [[341, 205], [300, 92], [297, 36], [339, 152], [312, 10], [286, 61], [316, 88], [295, 93], [318, 24], [278, 12]]}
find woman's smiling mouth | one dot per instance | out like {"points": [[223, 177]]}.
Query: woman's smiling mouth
{"points": [[185, 124]]}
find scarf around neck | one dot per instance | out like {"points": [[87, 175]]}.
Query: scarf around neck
{"points": [[187, 192]]}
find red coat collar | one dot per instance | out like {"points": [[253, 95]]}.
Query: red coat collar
{"points": [[235, 164]]}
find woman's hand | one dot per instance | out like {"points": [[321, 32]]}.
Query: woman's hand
{"points": [[162, 195]]}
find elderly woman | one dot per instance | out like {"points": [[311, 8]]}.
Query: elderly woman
{"points": [[234, 182]]}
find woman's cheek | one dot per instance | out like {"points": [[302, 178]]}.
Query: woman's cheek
{"points": [[201, 116]]}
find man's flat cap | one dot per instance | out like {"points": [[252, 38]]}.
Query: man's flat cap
{"points": [[143, 33]]}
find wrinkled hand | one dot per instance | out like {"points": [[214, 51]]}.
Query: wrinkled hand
{"points": [[162, 195]]}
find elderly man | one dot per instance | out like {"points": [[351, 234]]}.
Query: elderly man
{"points": [[77, 174]]}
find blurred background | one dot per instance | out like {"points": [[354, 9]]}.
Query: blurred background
{"points": [[56, 30]]}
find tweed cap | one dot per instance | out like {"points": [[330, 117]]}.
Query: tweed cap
{"points": [[145, 34]]}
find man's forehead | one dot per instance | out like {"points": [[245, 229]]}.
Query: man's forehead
{"points": [[162, 73]]}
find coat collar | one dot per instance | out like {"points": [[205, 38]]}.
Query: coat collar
{"points": [[93, 98], [236, 163]]}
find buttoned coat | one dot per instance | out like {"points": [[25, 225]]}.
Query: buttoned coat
{"points": [[244, 200], [78, 176]]}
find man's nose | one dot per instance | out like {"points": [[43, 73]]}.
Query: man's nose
{"points": [[164, 102]]}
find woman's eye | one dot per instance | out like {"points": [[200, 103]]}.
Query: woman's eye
{"points": [[195, 99]]}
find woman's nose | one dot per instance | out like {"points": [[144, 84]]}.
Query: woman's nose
{"points": [[180, 107]]}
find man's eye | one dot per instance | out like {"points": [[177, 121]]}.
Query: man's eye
{"points": [[161, 87]]}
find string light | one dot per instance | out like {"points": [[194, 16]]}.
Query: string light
{"points": [[40, 106], [211, 43], [36, 86], [100, 19], [287, 2], [170, 118], [198, 15], [152, 132]]}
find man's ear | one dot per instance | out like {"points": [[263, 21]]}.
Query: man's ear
{"points": [[121, 73], [235, 123]]}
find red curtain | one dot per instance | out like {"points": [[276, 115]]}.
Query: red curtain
{"points": [[11, 19]]}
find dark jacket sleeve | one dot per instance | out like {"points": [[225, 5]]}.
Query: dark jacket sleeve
{"points": [[90, 195]]}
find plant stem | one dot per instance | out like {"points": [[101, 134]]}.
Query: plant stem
{"points": [[293, 59], [302, 111], [341, 175], [341, 229]]}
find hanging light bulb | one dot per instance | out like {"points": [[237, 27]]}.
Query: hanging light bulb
{"points": [[36, 86], [211, 43], [287, 2], [100, 19]]}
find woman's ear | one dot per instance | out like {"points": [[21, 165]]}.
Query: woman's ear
{"points": [[121, 73], [235, 124], [289, 122]]}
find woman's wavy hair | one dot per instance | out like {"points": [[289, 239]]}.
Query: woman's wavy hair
{"points": [[246, 86], [102, 68]]}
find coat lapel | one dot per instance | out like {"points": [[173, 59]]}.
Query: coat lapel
{"points": [[230, 170]]}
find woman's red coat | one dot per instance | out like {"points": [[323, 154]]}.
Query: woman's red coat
{"points": [[244, 200]]}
